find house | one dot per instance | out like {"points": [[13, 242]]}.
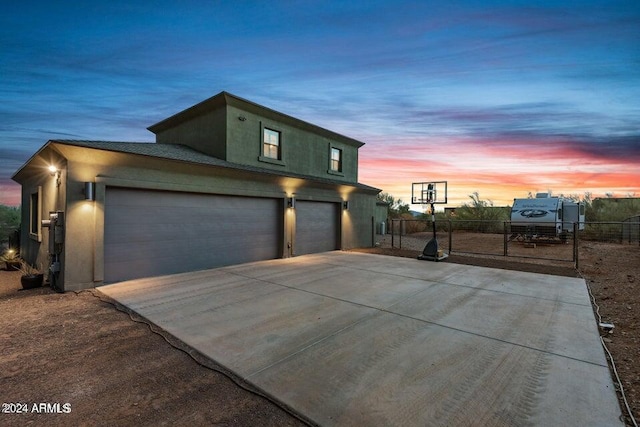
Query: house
{"points": [[227, 181]]}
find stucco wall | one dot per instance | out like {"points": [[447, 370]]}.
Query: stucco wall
{"points": [[205, 133], [303, 152], [34, 248], [381, 215], [234, 134], [358, 220]]}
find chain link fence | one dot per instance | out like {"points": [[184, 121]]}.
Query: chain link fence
{"points": [[631, 230]]}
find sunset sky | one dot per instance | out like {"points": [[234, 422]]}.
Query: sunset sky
{"points": [[499, 97]]}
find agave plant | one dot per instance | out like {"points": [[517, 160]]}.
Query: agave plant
{"points": [[10, 255], [11, 259], [28, 270]]}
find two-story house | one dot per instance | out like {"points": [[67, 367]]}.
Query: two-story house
{"points": [[227, 181]]}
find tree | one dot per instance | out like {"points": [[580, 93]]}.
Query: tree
{"points": [[612, 209], [479, 209], [396, 207], [9, 221]]}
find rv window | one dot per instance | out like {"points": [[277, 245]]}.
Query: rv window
{"points": [[581, 209], [560, 213]]}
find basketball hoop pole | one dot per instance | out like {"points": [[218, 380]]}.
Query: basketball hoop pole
{"points": [[431, 197], [433, 219]]}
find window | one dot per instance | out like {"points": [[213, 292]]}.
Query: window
{"points": [[271, 144], [34, 214], [336, 159]]}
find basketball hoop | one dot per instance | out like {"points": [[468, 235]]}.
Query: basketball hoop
{"points": [[430, 193]]}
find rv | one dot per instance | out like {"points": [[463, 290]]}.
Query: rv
{"points": [[546, 217]]}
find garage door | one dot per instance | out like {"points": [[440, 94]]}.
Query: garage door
{"points": [[317, 227], [150, 233]]}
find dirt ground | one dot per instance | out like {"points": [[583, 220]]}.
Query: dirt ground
{"points": [[78, 350]]}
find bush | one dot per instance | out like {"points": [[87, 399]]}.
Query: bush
{"points": [[9, 222], [613, 209], [484, 210]]}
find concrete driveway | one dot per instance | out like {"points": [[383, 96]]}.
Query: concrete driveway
{"points": [[359, 339]]}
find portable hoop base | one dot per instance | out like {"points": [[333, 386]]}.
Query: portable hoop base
{"points": [[431, 252]]}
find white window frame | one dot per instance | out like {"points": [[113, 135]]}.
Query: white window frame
{"points": [[35, 215], [336, 165], [271, 146], [267, 155]]}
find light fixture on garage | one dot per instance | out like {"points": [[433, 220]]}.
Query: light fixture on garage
{"points": [[54, 171], [90, 191], [291, 202], [345, 205]]}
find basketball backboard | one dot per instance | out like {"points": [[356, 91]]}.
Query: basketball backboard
{"points": [[434, 192]]}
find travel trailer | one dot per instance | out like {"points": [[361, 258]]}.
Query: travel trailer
{"points": [[546, 217]]}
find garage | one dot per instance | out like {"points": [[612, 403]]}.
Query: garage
{"points": [[152, 233], [317, 227]]}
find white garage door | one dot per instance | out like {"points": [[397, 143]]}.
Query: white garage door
{"points": [[151, 233], [317, 227]]}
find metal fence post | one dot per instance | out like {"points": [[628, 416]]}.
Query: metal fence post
{"points": [[401, 227], [575, 245], [450, 233], [393, 226], [506, 250], [621, 234]]}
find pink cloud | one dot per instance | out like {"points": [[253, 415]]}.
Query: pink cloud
{"points": [[499, 169], [10, 194]]}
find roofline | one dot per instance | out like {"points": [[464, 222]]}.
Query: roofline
{"points": [[226, 98], [230, 165], [24, 165]]}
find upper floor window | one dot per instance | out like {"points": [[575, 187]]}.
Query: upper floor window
{"points": [[336, 159], [271, 144]]}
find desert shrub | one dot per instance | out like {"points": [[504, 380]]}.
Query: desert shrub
{"points": [[484, 210], [9, 222], [412, 225], [612, 209]]}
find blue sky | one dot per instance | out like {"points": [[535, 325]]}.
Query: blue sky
{"points": [[497, 97]]}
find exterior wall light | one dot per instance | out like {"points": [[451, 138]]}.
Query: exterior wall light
{"points": [[345, 205], [90, 191], [291, 202], [54, 171]]}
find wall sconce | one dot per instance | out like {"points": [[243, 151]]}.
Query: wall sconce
{"points": [[90, 191], [291, 202], [242, 118], [345, 205], [54, 171]]}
